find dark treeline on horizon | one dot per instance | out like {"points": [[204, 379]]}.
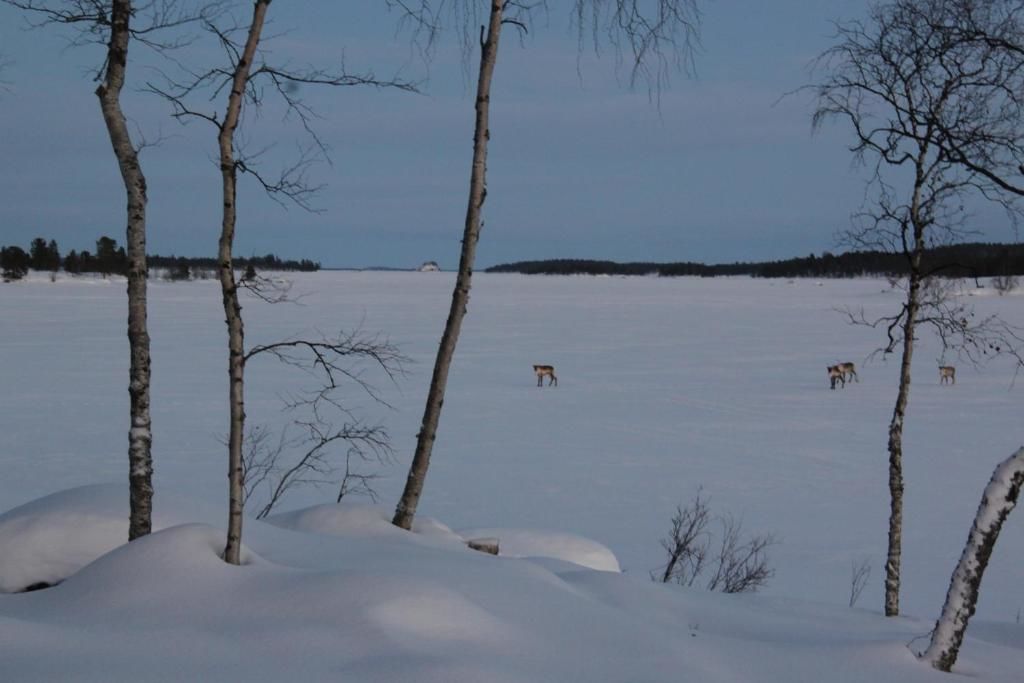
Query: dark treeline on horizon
{"points": [[268, 262], [956, 260], [110, 259]]}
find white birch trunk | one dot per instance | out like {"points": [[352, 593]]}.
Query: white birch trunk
{"points": [[140, 435], [406, 509], [895, 445], [229, 288], [997, 502], [910, 308]]}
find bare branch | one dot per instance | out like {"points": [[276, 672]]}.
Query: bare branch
{"points": [[323, 429], [160, 25], [652, 37], [191, 91], [332, 358]]}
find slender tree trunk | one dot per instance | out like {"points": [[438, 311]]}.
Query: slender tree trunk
{"points": [[229, 287], [997, 502], [140, 435], [892, 563], [406, 509], [911, 309], [915, 252]]}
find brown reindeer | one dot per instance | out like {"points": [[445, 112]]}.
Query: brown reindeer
{"points": [[947, 374], [849, 370], [543, 370], [835, 374]]}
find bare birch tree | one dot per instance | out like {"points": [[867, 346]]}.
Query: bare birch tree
{"points": [[140, 439], [648, 31], [406, 509], [111, 23], [242, 68], [936, 114], [246, 80], [997, 502]]}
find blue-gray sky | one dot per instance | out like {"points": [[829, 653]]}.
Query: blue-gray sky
{"points": [[580, 166]]}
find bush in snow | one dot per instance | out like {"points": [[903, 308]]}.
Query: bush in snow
{"points": [[731, 564], [1004, 284]]}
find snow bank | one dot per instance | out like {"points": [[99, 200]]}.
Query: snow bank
{"points": [[556, 545], [49, 539], [351, 518], [366, 602], [359, 519]]}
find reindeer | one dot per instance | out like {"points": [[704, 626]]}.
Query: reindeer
{"points": [[835, 374], [947, 374], [543, 370], [849, 370]]}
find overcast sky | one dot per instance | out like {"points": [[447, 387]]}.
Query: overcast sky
{"points": [[580, 166]]}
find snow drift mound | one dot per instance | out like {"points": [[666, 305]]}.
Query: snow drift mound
{"points": [[47, 540]]}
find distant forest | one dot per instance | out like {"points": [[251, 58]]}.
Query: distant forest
{"points": [[110, 259], [957, 260]]}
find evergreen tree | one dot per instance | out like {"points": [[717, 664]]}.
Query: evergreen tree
{"points": [[54, 255], [106, 255], [44, 256], [14, 263], [87, 263], [72, 263]]}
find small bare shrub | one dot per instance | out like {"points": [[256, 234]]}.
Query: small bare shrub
{"points": [[732, 564], [687, 543], [1004, 284], [740, 566], [860, 572]]}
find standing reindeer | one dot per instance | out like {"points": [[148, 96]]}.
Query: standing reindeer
{"points": [[947, 374], [835, 374], [849, 370], [543, 370]]}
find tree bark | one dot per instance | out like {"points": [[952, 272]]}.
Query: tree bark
{"points": [[998, 500], [140, 435], [229, 287], [911, 308], [406, 509], [892, 563]]}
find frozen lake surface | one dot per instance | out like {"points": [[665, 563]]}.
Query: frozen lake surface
{"points": [[666, 387]]}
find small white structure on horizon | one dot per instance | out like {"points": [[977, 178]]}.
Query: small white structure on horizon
{"points": [[430, 267]]}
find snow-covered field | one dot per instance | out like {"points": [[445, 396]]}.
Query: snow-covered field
{"points": [[666, 387]]}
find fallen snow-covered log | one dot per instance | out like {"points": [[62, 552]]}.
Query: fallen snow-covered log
{"points": [[997, 502]]}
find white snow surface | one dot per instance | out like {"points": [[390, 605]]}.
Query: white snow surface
{"points": [[666, 386]]}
